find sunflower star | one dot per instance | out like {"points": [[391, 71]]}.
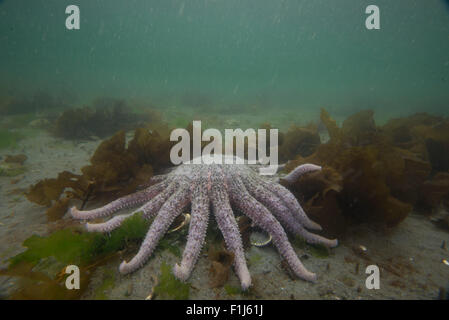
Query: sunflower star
{"points": [[218, 188]]}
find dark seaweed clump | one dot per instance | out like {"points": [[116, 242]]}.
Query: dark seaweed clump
{"points": [[105, 117], [376, 174], [221, 261], [41, 100], [297, 140]]}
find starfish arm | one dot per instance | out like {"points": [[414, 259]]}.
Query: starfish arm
{"points": [[281, 212], [293, 175], [158, 178], [290, 201], [271, 202], [151, 208], [197, 231], [125, 202], [154, 180], [168, 212], [109, 225], [315, 238], [230, 230], [241, 198]]}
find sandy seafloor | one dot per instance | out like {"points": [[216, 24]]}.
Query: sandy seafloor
{"points": [[410, 256]]}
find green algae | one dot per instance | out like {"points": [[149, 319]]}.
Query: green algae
{"points": [[170, 288], [299, 243], [316, 250], [86, 250], [107, 284], [69, 246], [9, 139], [64, 247], [170, 246], [233, 291], [50, 267], [133, 229], [171, 242]]}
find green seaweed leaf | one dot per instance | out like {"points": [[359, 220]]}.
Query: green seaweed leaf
{"points": [[170, 288], [318, 250], [65, 245], [232, 291], [133, 229], [71, 247]]}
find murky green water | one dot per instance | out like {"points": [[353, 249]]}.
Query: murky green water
{"points": [[281, 54]]}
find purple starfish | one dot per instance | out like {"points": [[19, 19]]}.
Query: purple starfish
{"points": [[218, 188]]}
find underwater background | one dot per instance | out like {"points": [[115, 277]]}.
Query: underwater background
{"points": [[280, 55], [86, 115]]}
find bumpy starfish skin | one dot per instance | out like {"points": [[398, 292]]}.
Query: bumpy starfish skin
{"points": [[218, 188]]}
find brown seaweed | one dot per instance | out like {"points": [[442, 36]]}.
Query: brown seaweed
{"points": [[221, 262], [19, 159], [105, 117], [301, 141], [434, 191], [379, 182], [115, 170], [423, 134], [359, 129], [47, 191], [318, 193], [39, 101]]}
